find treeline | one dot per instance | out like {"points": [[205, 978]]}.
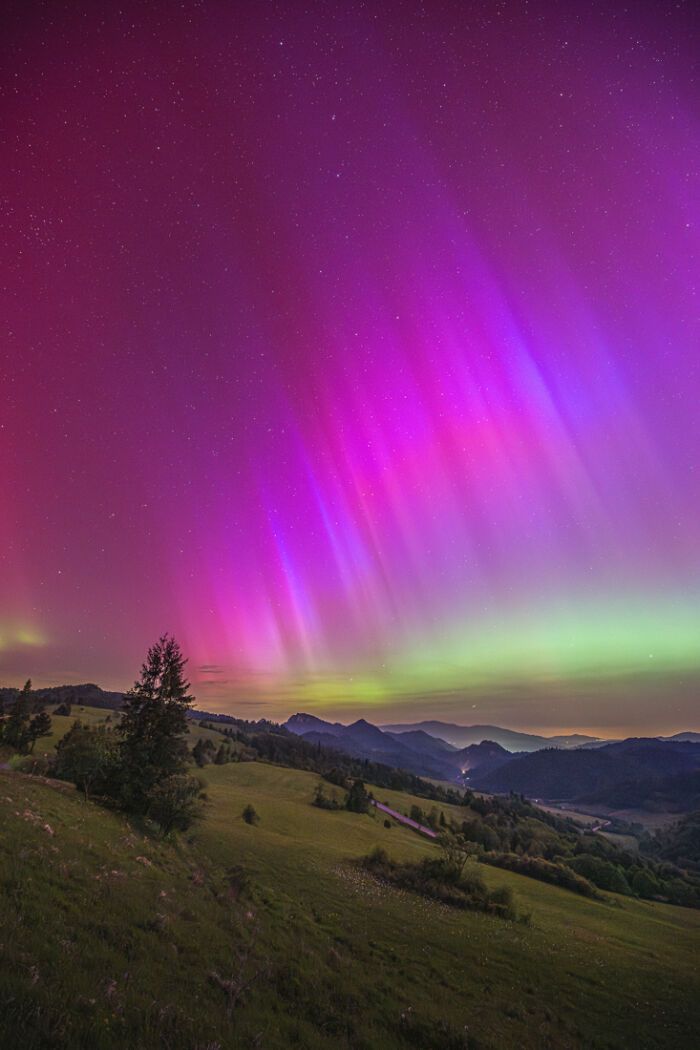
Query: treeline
{"points": [[268, 742], [657, 794], [86, 695], [679, 843], [511, 833]]}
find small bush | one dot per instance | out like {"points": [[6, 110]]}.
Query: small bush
{"points": [[250, 815], [36, 765], [502, 895], [323, 801], [358, 799], [88, 758], [174, 803]]}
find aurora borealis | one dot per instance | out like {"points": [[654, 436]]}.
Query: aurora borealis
{"points": [[357, 345]]}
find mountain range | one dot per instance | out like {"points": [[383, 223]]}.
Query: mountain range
{"points": [[511, 740], [653, 773], [630, 769], [414, 750], [660, 773]]}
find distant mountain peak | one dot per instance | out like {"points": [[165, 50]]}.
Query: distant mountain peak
{"points": [[512, 740], [302, 723]]}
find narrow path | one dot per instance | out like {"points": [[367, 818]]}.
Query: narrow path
{"points": [[405, 820]]}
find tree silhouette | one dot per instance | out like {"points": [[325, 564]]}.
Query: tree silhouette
{"points": [[153, 728], [19, 729]]}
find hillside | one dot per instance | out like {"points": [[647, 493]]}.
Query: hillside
{"points": [[481, 759], [679, 843], [417, 752], [622, 774], [112, 938], [679, 793], [88, 695]]}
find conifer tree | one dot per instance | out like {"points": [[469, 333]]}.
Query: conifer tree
{"points": [[199, 754], [19, 729], [15, 725], [39, 726], [357, 800], [153, 728]]}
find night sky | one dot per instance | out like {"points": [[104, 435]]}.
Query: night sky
{"points": [[357, 345]]}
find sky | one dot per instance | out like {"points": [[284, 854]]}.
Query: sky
{"points": [[357, 345]]}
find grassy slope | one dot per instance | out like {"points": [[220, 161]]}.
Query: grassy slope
{"points": [[60, 724], [347, 957]]}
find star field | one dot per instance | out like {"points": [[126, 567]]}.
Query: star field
{"points": [[357, 345]]}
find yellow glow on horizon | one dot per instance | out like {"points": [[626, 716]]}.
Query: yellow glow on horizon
{"points": [[14, 635]]}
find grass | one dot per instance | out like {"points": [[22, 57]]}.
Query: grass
{"points": [[110, 939], [96, 716], [585, 819], [583, 972], [100, 949]]}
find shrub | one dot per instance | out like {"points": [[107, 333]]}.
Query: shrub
{"points": [[250, 815], [36, 765], [544, 870], [174, 802], [435, 878], [601, 873], [323, 801], [357, 800], [88, 758], [644, 883], [502, 895], [19, 729]]}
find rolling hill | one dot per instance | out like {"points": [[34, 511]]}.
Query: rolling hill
{"points": [[630, 769], [418, 752], [241, 936]]}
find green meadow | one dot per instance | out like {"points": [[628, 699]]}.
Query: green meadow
{"points": [[270, 935], [96, 716]]}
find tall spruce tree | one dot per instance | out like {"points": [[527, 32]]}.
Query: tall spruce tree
{"points": [[39, 726], [15, 725], [19, 729], [153, 728]]}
